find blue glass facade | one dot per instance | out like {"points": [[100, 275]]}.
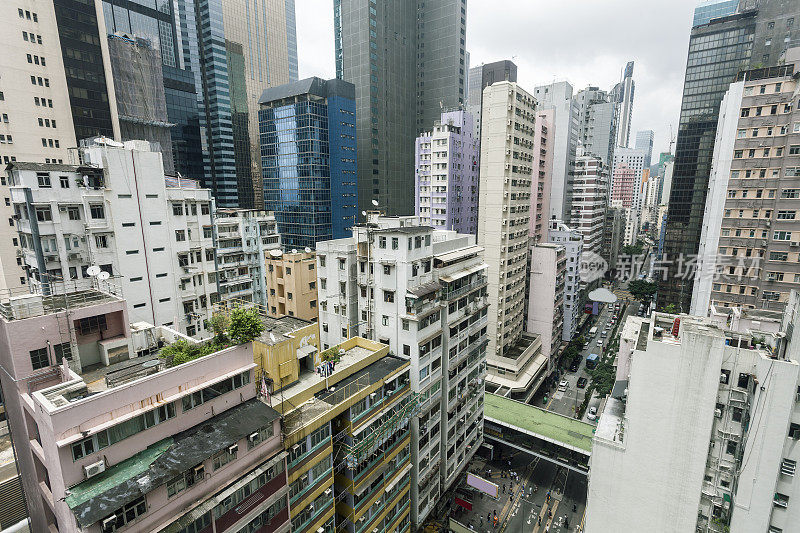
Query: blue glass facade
{"points": [[713, 9], [308, 147]]}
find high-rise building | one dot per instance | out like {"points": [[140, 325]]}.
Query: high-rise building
{"points": [[613, 236], [150, 232], [627, 176], [724, 454], [572, 241], [308, 152], [407, 62], [558, 97], [623, 96], [749, 244], [292, 285], [589, 184], [244, 239], [422, 292], [544, 314], [717, 52], [508, 136], [542, 174], [597, 122], [644, 141], [446, 174], [481, 77]]}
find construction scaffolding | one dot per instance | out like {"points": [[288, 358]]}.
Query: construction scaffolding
{"points": [[139, 90]]}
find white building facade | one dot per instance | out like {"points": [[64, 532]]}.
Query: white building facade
{"points": [[723, 451], [545, 314], [243, 240], [572, 241], [151, 233], [422, 292]]}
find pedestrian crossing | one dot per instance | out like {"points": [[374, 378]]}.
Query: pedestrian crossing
{"points": [[547, 519]]}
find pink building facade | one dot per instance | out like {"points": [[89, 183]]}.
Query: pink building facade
{"points": [[109, 439], [624, 187]]}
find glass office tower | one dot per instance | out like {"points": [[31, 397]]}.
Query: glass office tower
{"points": [[308, 158]]}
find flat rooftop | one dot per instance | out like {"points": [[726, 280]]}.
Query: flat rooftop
{"points": [[279, 327], [547, 425], [98, 496], [20, 305], [342, 385]]}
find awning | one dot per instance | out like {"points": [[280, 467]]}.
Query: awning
{"points": [[421, 290], [398, 478], [305, 351], [463, 272], [459, 254]]}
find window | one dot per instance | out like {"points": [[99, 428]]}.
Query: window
{"points": [[64, 182], [209, 393], [322, 257], [43, 214], [180, 235], [381, 242], [101, 241], [788, 467], [388, 296], [96, 211], [780, 500], [730, 447], [794, 431], [44, 180], [260, 436], [39, 358], [177, 208], [125, 515], [794, 149], [184, 480]]}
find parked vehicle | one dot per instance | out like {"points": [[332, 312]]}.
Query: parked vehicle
{"points": [[591, 360], [600, 342], [593, 331], [582, 382], [563, 385], [592, 413]]}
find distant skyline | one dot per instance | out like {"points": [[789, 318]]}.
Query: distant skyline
{"points": [[579, 41]]}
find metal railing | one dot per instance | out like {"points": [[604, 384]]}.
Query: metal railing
{"points": [[55, 296]]}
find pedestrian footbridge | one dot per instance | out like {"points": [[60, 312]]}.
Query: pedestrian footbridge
{"points": [[553, 437]]}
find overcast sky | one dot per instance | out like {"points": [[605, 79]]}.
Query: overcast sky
{"points": [[586, 42]]}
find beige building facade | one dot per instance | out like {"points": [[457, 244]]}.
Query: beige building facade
{"points": [[292, 285]]}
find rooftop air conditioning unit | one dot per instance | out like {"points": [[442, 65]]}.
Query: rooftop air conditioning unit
{"points": [[253, 436], [232, 449], [93, 469], [199, 470], [109, 522]]}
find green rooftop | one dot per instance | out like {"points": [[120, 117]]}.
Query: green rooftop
{"points": [[550, 426], [117, 474]]}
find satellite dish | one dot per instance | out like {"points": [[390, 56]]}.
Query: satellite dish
{"points": [[363, 213], [375, 203], [275, 253], [102, 276], [294, 250], [308, 250], [272, 337], [93, 270]]}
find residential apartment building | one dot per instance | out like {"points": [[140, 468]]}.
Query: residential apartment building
{"points": [[558, 96], [348, 449], [400, 90], [589, 184], [545, 310], [313, 192], [481, 77], [291, 283], [94, 415], [508, 131], [151, 233], [597, 122], [749, 243], [613, 236], [422, 292], [574, 285], [628, 174], [724, 455], [446, 174], [543, 172], [758, 35], [244, 239]]}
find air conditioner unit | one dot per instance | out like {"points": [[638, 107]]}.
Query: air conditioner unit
{"points": [[108, 522], [718, 413], [328, 492], [199, 471], [93, 469], [253, 436], [795, 243], [232, 449], [62, 208], [723, 378]]}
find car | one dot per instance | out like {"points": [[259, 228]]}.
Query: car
{"points": [[599, 342], [573, 367], [563, 385], [592, 413], [604, 334], [582, 382], [585, 345]]}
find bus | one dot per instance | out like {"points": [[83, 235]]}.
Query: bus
{"points": [[593, 331], [591, 360]]}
